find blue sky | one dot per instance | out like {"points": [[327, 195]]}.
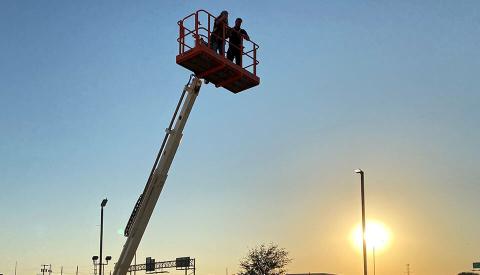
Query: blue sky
{"points": [[87, 88]]}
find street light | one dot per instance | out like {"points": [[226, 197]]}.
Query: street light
{"points": [[359, 171], [94, 260], [108, 258], [102, 265], [102, 205]]}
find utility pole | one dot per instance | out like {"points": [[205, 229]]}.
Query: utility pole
{"points": [[15, 267], [76, 273], [61, 270]]}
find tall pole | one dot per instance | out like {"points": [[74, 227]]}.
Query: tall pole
{"points": [[101, 240], [373, 260], [76, 273], [363, 225], [363, 220], [102, 205], [15, 267]]}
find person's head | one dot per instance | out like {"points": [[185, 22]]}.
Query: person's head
{"points": [[224, 13], [238, 22]]}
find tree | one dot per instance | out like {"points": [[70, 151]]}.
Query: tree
{"points": [[265, 260]]}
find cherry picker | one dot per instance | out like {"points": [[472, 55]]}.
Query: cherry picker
{"points": [[195, 54]]}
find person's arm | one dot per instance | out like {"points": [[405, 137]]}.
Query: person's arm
{"points": [[245, 34]]}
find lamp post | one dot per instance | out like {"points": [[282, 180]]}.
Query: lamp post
{"points": [[94, 260], [108, 258], [102, 266], [359, 171], [102, 205]]}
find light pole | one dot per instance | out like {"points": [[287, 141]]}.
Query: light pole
{"points": [[108, 258], [102, 205], [102, 266], [94, 260], [359, 171]]}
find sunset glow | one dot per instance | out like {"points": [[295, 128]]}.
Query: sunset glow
{"points": [[377, 235], [217, 142]]}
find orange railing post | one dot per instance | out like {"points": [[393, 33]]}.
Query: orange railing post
{"points": [[197, 38], [241, 50], [209, 34], [181, 40], [254, 59], [223, 40]]}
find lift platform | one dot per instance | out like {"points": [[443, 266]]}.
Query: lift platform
{"points": [[195, 54]]}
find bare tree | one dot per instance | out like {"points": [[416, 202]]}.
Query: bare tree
{"points": [[265, 260]]}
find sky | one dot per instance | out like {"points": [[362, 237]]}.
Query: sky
{"points": [[88, 87]]}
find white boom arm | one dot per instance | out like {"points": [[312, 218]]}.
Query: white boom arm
{"points": [[155, 184]]}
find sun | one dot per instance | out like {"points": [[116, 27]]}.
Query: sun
{"points": [[377, 236]]}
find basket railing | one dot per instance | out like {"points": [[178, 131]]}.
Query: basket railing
{"points": [[195, 30]]}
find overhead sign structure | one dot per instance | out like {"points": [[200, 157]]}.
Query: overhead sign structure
{"points": [[150, 264], [182, 262]]}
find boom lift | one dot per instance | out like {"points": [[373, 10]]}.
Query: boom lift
{"points": [[194, 54]]}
